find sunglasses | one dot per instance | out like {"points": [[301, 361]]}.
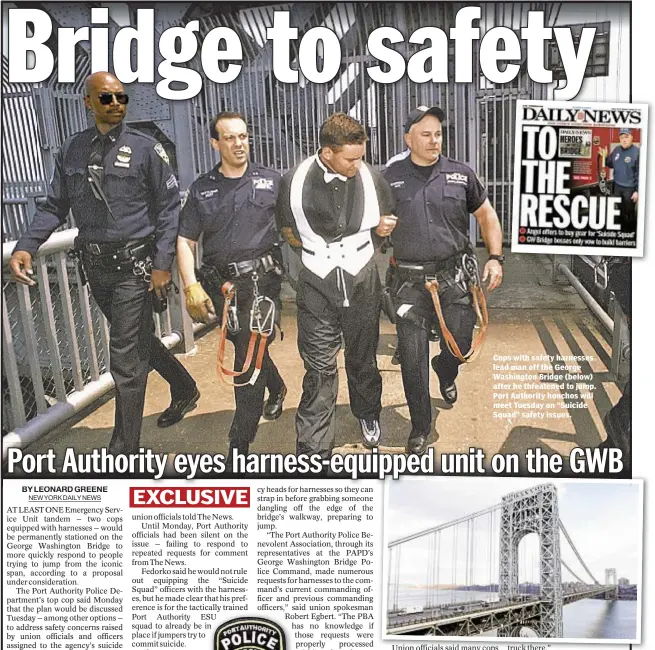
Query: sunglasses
{"points": [[106, 98]]}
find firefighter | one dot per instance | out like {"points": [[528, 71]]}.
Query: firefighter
{"points": [[624, 160]]}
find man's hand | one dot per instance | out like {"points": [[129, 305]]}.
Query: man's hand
{"points": [[493, 270], [290, 238], [21, 268], [635, 197], [159, 282], [386, 225], [198, 303], [602, 151]]}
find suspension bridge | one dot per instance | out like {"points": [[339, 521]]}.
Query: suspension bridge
{"points": [[479, 578]]}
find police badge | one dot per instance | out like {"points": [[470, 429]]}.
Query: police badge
{"points": [[250, 634]]}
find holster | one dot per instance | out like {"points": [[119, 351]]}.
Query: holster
{"points": [[388, 293], [210, 279]]}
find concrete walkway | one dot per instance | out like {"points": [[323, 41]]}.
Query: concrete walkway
{"points": [[529, 316]]}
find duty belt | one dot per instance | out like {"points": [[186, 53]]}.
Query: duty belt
{"points": [[464, 268], [236, 270], [115, 255]]}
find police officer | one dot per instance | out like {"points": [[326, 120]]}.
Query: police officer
{"points": [[434, 196], [125, 200], [233, 206], [330, 208], [624, 160]]}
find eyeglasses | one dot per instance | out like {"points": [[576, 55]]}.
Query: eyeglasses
{"points": [[106, 98]]}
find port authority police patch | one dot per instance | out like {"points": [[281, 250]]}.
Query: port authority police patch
{"points": [[250, 634]]}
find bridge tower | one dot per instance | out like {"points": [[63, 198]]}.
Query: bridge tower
{"points": [[610, 579], [533, 511]]}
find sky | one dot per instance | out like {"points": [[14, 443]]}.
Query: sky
{"points": [[603, 518]]}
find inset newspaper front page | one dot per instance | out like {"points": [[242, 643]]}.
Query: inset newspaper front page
{"points": [[579, 180]]}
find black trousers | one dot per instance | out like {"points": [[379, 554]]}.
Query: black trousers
{"points": [[414, 344], [249, 399], [322, 321], [125, 301], [628, 207]]}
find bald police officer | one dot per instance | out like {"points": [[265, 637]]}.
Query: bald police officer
{"points": [[233, 207], [125, 200], [434, 197]]}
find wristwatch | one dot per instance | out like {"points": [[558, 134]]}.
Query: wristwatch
{"points": [[499, 258]]}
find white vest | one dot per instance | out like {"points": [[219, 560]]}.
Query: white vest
{"points": [[349, 253]]}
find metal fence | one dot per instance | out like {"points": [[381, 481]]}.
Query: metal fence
{"points": [[284, 118], [55, 339]]}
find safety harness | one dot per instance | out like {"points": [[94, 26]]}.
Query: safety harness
{"points": [[261, 325], [471, 271]]}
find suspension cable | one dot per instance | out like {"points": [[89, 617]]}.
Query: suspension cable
{"points": [[575, 550]]}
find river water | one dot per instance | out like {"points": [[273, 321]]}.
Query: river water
{"points": [[586, 619]]}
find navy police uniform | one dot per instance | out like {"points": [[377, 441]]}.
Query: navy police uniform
{"points": [[338, 292], [625, 163], [236, 217], [433, 204], [127, 220]]}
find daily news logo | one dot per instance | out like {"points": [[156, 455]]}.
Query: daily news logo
{"points": [[616, 117], [250, 634]]}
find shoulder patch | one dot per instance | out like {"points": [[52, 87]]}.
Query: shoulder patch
{"points": [[184, 199], [161, 152]]}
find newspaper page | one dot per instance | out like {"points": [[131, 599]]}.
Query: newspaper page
{"points": [[564, 198], [513, 522]]}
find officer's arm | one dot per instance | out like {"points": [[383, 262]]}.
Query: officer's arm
{"points": [[186, 260], [492, 234], [283, 215], [609, 160], [490, 228], [198, 303], [50, 214], [166, 207]]}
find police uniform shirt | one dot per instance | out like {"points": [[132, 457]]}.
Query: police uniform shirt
{"points": [[140, 187], [433, 205], [625, 163], [236, 215]]}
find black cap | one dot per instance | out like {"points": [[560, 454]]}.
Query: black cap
{"points": [[419, 113]]}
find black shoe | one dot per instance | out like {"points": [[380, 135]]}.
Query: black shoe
{"points": [[417, 444], [116, 446], [242, 447], [274, 403], [175, 412], [370, 432], [395, 360], [448, 390]]}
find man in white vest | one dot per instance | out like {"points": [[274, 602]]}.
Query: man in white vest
{"points": [[330, 209]]}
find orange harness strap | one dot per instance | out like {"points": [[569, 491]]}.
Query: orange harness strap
{"points": [[480, 306], [229, 292]]}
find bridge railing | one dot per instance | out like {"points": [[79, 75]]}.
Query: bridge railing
{"points": [[589, 276], [55, 342]]}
